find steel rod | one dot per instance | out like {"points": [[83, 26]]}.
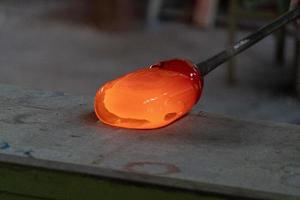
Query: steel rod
{"points": [[210, 64]]}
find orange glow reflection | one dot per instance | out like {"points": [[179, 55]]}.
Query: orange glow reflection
{"points": [[151, 97]]}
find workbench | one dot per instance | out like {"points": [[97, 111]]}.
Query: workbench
{"points": [[53, 147]]}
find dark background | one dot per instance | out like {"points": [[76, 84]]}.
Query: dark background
{"points": [[76, 46]]}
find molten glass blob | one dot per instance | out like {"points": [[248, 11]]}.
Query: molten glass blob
{"points": [[151, 97]]}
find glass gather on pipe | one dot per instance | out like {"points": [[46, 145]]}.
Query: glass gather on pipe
{"points": [[151, 97]]}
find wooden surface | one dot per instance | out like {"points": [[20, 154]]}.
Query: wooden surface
{"points": [[199, 153]]}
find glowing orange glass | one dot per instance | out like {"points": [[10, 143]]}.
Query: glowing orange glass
{"points": [[151, 97]]}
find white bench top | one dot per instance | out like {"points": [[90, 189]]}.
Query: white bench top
{"points": [[201, 152]]}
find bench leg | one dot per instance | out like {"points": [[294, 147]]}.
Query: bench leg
{"points": [[297, 60], [232, 26]]}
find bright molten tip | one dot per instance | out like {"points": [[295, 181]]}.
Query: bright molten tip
{"points": [[151, 97]]}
